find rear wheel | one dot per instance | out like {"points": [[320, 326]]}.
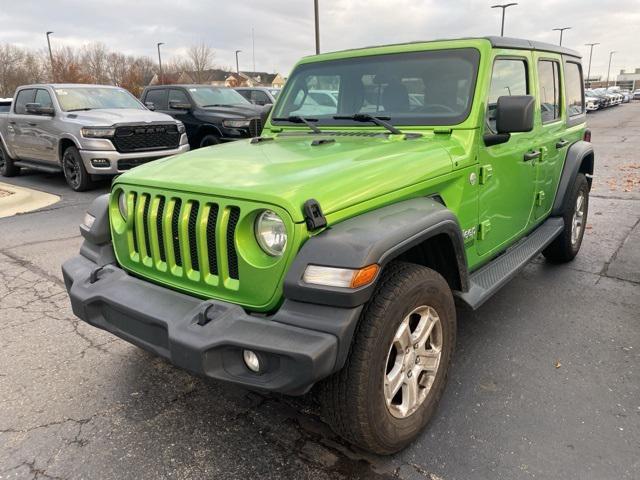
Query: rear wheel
{"points": [[74, 171], [7, 168], [398, 363]]}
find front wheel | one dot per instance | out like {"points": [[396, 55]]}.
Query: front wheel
{"points": [[75, 173], [209, 140], [7, 167], [398, 363]]}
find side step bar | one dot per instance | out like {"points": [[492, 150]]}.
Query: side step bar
{"points": [[487, 280], [43, 167]]}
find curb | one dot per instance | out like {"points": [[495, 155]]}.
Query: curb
{"points": [[23, 200]]}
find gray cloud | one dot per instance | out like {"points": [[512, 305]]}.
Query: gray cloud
{"points": [[284, 28]]}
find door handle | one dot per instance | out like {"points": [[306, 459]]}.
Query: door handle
{"points": [[531, 155], [562, 143]]}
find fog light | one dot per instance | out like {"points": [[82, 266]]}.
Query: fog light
{"points": [[251, 360], [100, 162]]}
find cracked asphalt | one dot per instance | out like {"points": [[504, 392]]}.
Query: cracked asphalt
{"points": [[545, 382]]}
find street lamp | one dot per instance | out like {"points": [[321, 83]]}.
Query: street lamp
{"points": [[160, 63], [317, 22], [591, 45], [237, 64], [53, 73], [609, 69], [504, 6], [561, 30]]}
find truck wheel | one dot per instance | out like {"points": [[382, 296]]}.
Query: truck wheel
{"points": [[7, 168], [74, 172], [566, 246], [209, 140], [398, 363]]}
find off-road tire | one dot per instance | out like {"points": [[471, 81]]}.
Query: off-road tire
{"points": [[352, 400], [562, 249], [208, 140], [74, 171], [7, 168]]}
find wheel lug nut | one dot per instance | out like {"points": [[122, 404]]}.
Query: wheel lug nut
{"points": [[417, 360], [409, 374], [415, 347], [407, 350]]}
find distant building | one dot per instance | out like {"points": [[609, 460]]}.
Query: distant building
{"points": [[629, 80], [222, 78]]}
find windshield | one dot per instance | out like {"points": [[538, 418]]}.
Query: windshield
{"points": [[212, 96], [92, 98], [415, 88]]}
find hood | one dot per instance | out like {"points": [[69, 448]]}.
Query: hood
{"points": [[234, 111], [111, 116], [289, 170]]}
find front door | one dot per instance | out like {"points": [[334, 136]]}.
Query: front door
{"points": [[507, 171]]}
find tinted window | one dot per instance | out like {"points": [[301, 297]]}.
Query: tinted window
{"points": [[573, 82], [509, 77], [5, 107], [258, 96], [24, 97], [549, 80], [178, 96], [245, 93], [158, 98], [43, 98]]}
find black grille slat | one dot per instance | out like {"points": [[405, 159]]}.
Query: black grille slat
{"points": [[133, 214], [175, 223], [138, 138], [232, 254], [145, 224], [163, 254], [211, 239], [193, 242]]}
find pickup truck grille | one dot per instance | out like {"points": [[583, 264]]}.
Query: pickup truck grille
{"points": [[144, 138]]}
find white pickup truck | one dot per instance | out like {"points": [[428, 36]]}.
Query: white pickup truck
{"points": [[84, 131]]}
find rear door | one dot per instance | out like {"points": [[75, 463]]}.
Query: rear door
{"points": [[19, 131], [41, 143]]}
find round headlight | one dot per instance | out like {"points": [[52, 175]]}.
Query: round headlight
{"points": [[271, 233], [122, 205]]}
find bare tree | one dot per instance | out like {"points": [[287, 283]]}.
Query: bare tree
{"points": [[94, 61], [200, 59]]}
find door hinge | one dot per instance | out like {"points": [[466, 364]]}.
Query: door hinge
{"points": [[486, 172], [483, 229], [540, 198]]}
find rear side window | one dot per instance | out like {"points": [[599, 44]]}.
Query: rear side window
{"points": [[509, 77], [158, 98], [573, 82], [24, 97], [549, 82]]}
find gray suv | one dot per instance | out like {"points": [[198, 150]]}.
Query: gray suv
{"points": [[84, 131]]}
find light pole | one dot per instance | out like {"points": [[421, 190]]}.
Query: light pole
{"points": [[504, 6], [609, 69], [317, 22], [561, 30], [591, 45], [237, 64], [53, 73], [160, 63]]}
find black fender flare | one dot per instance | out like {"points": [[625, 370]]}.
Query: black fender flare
{"points": [[576, 155], [205, 129], [377, 236]]}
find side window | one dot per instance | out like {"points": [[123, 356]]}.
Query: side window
{"points": [[509, 77], [24, 97], [259, 97], [178, 96], [549, 82], [158, 98], [573, 82], [245, 93], [43, 98]]}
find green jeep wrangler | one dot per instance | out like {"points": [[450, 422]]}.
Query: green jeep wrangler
{"points": [[330, 249]]}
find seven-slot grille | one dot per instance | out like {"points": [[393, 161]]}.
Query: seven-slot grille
{"points": [[141, 138], [184, 237]]}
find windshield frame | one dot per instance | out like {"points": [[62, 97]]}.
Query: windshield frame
{"points": [[101, 87], [474, 55]]}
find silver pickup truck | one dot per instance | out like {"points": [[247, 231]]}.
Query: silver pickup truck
{"points": [[84, 131]]}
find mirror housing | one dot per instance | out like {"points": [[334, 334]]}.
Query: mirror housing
{"points": [[37, 109], [150, 105], [514, 113], [175, 105]]}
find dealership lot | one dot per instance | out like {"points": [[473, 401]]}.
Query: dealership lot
{"points": [[545, 382]]}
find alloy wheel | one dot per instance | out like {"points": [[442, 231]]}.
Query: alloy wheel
{"points": [[71, 170], [578, 219]]}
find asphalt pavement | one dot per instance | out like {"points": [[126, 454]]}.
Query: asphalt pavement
{"points": [[545, 382]]}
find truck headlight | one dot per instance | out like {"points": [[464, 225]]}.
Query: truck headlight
{"points": [[271, 233], [98, 132], [122, 205], [236, 123], [181, 128]]}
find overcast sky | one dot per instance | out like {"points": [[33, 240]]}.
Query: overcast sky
{"points": [[284, 28]]}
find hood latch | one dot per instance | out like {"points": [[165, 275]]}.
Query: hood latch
{"points": [[313, 215]]}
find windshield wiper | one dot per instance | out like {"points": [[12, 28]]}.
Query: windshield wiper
{"points": [[215, 105], [80, 109], [299, 119], [365, 117]]}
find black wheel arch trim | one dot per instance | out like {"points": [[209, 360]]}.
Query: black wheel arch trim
{"points": [[378, 236], [580, 157]]}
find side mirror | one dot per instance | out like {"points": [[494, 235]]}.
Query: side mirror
{"points": [[37, 109], [515, 114], [174, 105], [150, 105]]}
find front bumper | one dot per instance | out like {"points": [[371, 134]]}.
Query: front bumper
{"points": [[207, 337], [129, 160]]}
